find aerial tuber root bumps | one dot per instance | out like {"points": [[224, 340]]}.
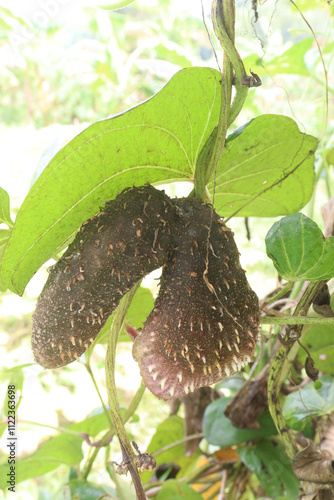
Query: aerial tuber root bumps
{"points": [[204, 324]]}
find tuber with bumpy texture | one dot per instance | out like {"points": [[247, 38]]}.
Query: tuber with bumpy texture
{"points": [[129, 238], [204, 324]]}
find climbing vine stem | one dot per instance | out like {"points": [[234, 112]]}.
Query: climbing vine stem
{"points": [[281, 362], [127, 450], [223, 18], [274, 387], [296, 320], [108, 435]]}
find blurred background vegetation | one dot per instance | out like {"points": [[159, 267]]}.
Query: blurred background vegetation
{"points": [[65, 64]]}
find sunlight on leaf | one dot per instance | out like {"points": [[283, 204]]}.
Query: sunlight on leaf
{"points": [[267, 151], [157, 141]]}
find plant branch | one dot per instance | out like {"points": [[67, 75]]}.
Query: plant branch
{"points": [[91, 374], [274, 388], [296, 320], [127, 450], [127, 415], [283, 358], [280, 294], [223, 20]]}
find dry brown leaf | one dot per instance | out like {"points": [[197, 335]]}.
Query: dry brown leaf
{"points": [[311, 464]]}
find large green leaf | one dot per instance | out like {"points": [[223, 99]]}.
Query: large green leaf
{"points": [[157, 141], [309, 402], [63, 449], [266, 169], [220, 431], [269, 461], [319, 341], [299, 250]]}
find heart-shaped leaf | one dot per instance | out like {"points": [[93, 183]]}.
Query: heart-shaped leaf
{"points": [[266, 169], [157, 141], [299, 250]]}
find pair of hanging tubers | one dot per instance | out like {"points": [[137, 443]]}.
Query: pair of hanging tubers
{"points": [[204, 324]]}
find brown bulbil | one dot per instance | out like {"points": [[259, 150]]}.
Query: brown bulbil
{"points": [[104, 262], [204, 325], [195, 339]]}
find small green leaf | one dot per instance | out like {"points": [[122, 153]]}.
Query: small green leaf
{"points": [[92, 425], [269, 461], [5, 208], [220, 431], [63, 449], [292, 60], [319, 340], [299, 250], [85, 490], [301, 406], [158, 141], [173, 53], [175, 490], [330, 156], [266, 169], [169, 431]]}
